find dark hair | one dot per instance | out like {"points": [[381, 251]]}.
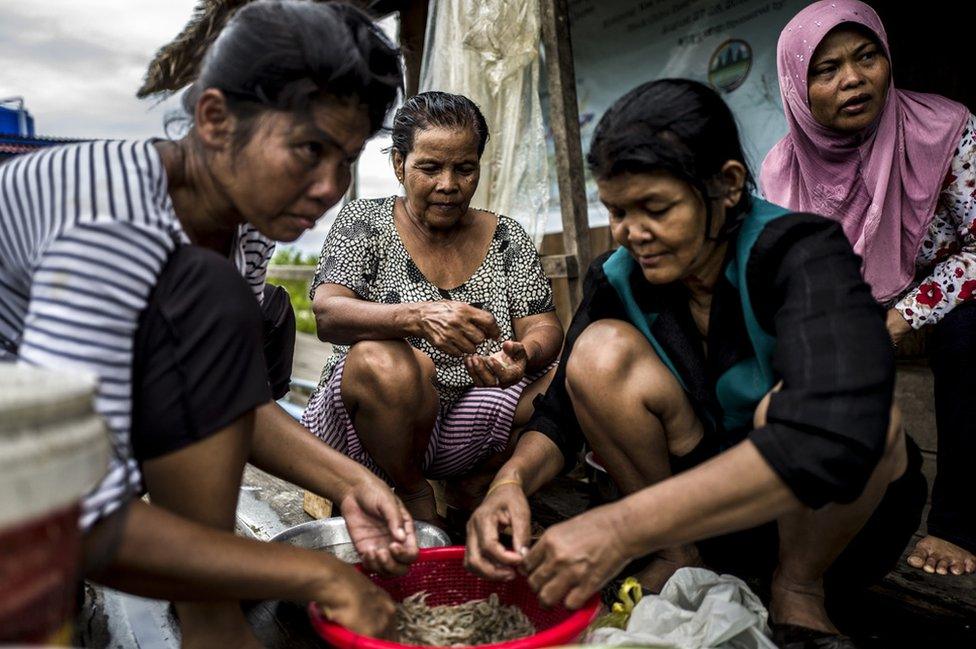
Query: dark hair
{"points": [[433, 109], [285, 54], [676, 125]]}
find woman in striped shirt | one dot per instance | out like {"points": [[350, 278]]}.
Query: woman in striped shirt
{"points": [[125, 259]]}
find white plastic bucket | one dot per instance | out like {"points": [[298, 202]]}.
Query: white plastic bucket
{"points": [[53, 450]]}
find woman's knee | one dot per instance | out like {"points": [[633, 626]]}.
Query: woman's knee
{"points": [[389, 369], [613, 366], [602, 354]]}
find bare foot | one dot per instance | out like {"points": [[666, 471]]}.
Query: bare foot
{"points": [[242, 639], [468, 491], [938, 556], [217, 624], [665, 563], [799, 604]]}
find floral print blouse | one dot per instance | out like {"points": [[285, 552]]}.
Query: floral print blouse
{"points": [[947, 256]]}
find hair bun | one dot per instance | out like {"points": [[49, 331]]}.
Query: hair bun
{"points": [[176, 64]]}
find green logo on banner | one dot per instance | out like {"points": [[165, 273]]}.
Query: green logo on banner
{"points": [[730, 65]]}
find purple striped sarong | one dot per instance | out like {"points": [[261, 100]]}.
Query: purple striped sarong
{"points": [[474, 428]]}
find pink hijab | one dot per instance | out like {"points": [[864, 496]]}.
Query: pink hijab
{"points": [[882, 184]]}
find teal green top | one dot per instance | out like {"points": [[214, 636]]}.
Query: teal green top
{"points": [[740, 389]]}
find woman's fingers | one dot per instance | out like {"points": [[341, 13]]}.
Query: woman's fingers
{"points": [[450, 346], [486, 322], [514, 349], [470, 335], [483, 371], [506, 375], [555, 587], [472, 372], [479, 535], [521, 522], [492, 545]]}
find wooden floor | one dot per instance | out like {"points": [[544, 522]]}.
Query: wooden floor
{"points": [[908, 609], [310, 355]]}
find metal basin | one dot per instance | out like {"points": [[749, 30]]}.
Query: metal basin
{"points": [[330, 535]]}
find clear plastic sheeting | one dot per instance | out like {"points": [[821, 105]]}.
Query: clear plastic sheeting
{"points": [[697, 609], [489, 52]]}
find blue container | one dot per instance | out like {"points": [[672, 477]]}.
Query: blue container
{"points": [[16, 122]]}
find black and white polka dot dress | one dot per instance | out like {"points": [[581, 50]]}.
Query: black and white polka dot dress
{"points": [[364, 253]]}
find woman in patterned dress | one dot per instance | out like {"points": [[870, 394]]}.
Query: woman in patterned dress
{"points": [[441, 315], [896, 168]]}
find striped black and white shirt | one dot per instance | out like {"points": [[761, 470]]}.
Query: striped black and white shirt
{"points": [[85, 231]]}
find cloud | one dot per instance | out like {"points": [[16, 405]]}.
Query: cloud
{"points": [[78, 65]]}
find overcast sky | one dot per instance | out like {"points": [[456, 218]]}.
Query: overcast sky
{"points": [[78, 64]]}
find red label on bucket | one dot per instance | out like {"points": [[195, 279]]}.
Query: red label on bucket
{"points": [[38, 572]]}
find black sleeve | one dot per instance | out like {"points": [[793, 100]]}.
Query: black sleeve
{"points": [[554, 416], [827, 426], [279, 338]]}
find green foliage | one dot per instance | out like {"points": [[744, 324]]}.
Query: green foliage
{"points": [[293, 257], [297, 289], [298, 292]]}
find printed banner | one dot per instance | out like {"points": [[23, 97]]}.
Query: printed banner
{"points": [[728, 44]]}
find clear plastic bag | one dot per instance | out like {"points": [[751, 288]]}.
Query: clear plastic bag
{"points": [[697, 609], [489, 52]]}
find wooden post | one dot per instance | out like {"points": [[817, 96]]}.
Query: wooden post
{"points": [[564, 121], [413, 27]]}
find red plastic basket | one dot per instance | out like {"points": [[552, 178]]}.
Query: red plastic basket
{"points": [[441, 572]]}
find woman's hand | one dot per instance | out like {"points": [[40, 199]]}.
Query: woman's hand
{"points": [[576, 558], [455, 328], [380, 527], [348, 598], [502, 369], [897, 326], [504, 506]]}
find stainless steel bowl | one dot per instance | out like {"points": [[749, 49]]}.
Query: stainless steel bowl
{"points": [[331, 535]]}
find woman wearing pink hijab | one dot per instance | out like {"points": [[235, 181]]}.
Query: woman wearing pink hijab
{"points": [[898, 170]]}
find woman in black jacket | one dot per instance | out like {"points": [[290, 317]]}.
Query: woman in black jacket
{"points": [[731, 369]]}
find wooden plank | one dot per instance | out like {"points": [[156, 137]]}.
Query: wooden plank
{"points": [[564, 121], [291, 272], [952, 596], [310, 356], [560, 266], [915, 397], [413, 27], [316, 506]]}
